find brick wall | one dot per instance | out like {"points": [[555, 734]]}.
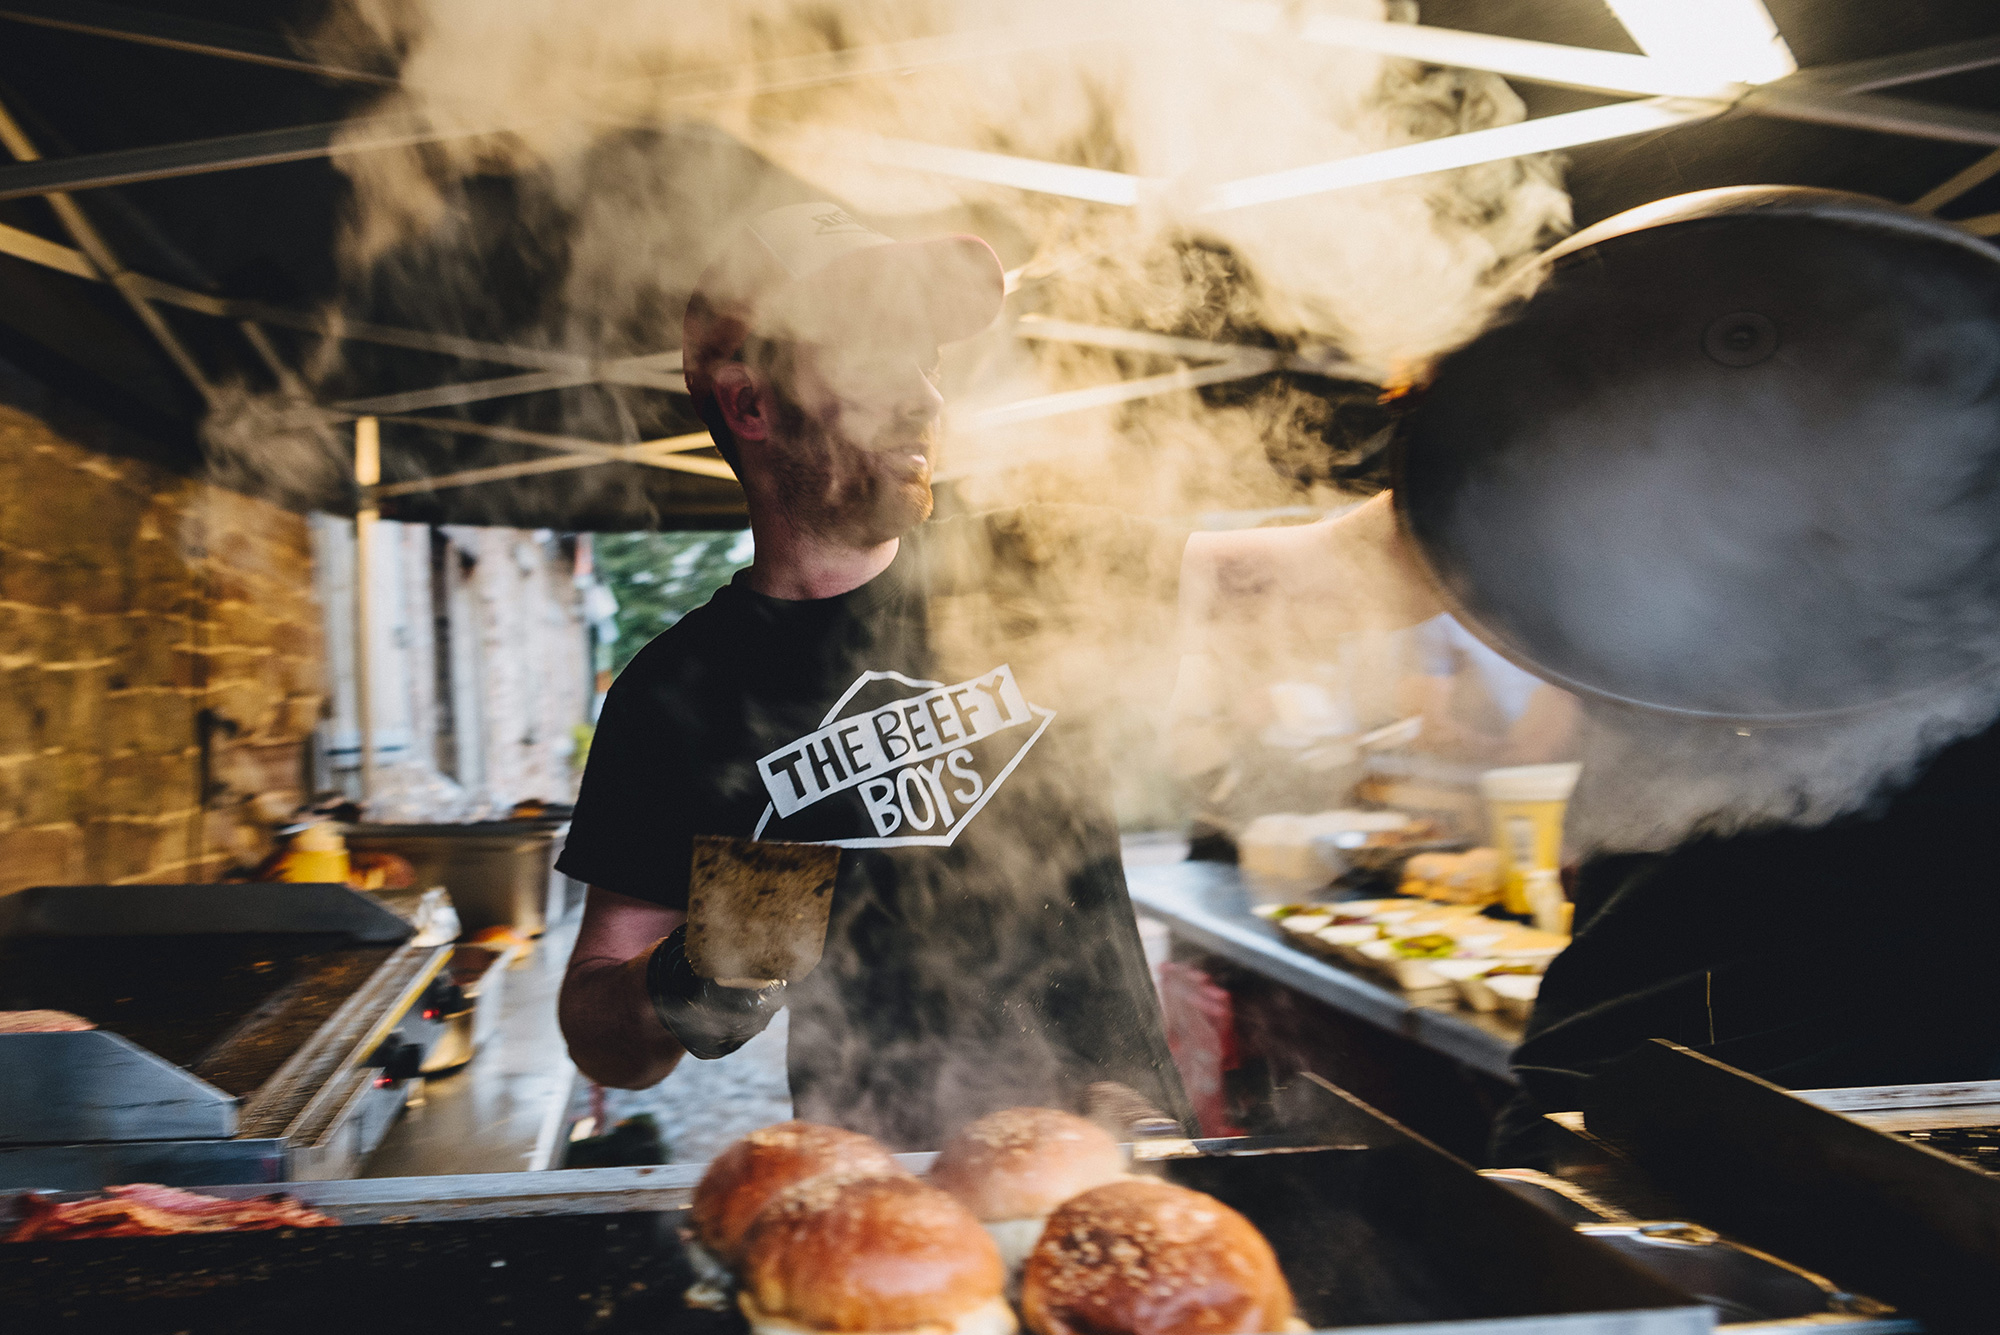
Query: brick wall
{"points": [[131, 601]]}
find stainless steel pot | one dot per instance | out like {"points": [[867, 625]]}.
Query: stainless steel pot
{"points": [[1736, 457]]}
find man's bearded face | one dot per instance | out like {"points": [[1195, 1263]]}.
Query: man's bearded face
{"points": [[855, 436]]}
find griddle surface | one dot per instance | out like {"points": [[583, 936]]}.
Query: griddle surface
{"points": [[1976, 1145], [1352, 1229], [231, 1007]]}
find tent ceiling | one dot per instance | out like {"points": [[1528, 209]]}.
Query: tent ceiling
{"points": [[190, 137]]}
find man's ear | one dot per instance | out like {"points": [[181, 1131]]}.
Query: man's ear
{"points": [[742, 408]]}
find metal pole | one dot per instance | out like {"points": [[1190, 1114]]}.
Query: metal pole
{"points": [[100, 255], [367, 475]]}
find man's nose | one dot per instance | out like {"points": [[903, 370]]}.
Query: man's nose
{"points": [[919, 397]]}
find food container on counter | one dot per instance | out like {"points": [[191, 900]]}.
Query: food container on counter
{"points": [[1527, 803], [499, 872], [1517, 993]]}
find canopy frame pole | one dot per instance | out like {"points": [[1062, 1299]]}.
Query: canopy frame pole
{"points": [[367, 476]]}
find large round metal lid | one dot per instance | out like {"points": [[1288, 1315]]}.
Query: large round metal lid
{"points": [[1737, 456]]}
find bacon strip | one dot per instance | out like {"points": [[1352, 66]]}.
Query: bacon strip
{"points": [[147, 1209]]}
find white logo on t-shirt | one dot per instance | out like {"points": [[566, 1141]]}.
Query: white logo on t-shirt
{"points": [[921, 757]]}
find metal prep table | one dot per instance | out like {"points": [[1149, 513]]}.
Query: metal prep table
{"points": [[1207, 904], [246, 1033], [1437, 1068]]}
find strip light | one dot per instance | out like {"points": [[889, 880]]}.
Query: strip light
{"points": [[1048, 178], [1543, 135], [1732, 40], [1541, 62]]}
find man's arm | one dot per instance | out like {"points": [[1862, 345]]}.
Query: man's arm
{"points": [[1254, 603], [607, 1015], [1355, 571]]}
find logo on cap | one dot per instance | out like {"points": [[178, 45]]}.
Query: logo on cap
{"points": [[836, 220]]}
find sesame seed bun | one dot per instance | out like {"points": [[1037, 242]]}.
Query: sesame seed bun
{"points": [[1021, 1163], [1144, 1257], [747, 1176], [846, 1253]]}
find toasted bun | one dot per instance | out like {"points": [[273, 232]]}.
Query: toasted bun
{"points": [[862, 1253], [1144, 1257], [1021, 1163], [744, 1178]]}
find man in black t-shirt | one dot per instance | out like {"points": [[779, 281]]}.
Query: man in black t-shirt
{"points": [[871, 682]]}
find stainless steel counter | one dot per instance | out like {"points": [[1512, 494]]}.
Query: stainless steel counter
{"points": [[1208, 905]]}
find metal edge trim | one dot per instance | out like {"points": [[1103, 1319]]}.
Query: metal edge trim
{"points": [[316, 1049]]}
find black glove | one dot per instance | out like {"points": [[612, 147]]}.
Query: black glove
{"points": [[710, 1020]]}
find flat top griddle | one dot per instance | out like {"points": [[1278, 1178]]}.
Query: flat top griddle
{"points": [[1976, 1145], [1366, 1236], [230, 1007]]}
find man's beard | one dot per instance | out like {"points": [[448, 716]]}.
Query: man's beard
{"points": [[840, 490]]}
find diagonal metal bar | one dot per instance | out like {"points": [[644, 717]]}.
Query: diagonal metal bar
{"points": [[1865, 76], [104, 262], [260, 343], [1986, 224], [263, 148], [694, 440], [646, 452], [555, 463], [49, 254], [1318, 361], [175, 34], [470, 391], [1123, 391], [1972, 177], [1868, 111], [657, 453]]}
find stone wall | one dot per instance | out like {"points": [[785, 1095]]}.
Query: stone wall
{"points": [[139, 613]]}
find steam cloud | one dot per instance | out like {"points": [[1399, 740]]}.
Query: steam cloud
{"points": [[620, 145], [614, 146], [611, 149], [617, 164]]}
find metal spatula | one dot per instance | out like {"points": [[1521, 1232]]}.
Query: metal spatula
{"points": [[757, 910]]}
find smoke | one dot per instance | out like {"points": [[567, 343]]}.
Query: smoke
{"points": [[598, 158], [275, 446], [605, 159], [1654, 780]]}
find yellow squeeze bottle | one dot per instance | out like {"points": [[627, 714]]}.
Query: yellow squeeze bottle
{"points": [[1526, 804]]}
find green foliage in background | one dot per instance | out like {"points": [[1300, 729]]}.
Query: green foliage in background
{"points": [[658, 578]]}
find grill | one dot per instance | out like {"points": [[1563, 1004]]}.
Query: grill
{"points": [[1891, 1188], [1373, 1226], [247, 1033]]}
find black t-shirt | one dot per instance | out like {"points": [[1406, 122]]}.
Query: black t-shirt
{"points": [[982, 951], [1859, 953]]}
